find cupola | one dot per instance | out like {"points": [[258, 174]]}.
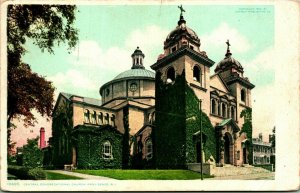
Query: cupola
{"points": [[137, 59]]}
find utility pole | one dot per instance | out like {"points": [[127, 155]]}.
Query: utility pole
{"points": [[201, 144]]}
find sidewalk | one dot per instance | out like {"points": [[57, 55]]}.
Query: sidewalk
{"points": [[84, 176], [258, 176]]}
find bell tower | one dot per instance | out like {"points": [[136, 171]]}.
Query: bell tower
{"points": [[182, 79], [232, 73]]}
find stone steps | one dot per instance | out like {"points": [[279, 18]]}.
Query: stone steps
{"points": [[229, 170]]}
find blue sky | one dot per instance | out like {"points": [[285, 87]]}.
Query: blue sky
{"points": [[108, 34]]}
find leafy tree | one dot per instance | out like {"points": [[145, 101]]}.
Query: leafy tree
{"points": [[32, 155], [46, 26]]}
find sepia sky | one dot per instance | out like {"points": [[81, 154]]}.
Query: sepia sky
{"points": [[108, 35]]}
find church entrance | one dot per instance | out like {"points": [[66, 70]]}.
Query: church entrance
{"points": [[226, 149]]}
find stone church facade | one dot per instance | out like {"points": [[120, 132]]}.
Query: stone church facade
{"points": [[123, 128]]}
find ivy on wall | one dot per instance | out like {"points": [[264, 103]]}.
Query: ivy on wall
{"points": [[89, 147], [126, 139], [62, 124], [247, 128], [177, 119]]}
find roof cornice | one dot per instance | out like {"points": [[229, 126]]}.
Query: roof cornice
{"points": [[181, 52]]}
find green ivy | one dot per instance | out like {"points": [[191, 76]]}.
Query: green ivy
{"points": [[126, 139], [177, 119], [61, 132], [89, 145], [247, 128]]}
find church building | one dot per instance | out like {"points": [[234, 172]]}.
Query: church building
{"points": [[158, 119]]}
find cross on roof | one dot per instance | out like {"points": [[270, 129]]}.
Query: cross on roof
{"points": [[228, 44], [181, 9]]}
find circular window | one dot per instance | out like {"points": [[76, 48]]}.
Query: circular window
{"points": [[133, 87], [107, 92]]}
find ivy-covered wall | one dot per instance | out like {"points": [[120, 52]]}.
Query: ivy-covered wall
{"points": [[169, 133], [247, 128], [61, 132], [193, 122], [89, 144], [177, 119]]}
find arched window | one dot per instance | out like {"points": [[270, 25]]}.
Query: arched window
{"points": [[232, 113], [243, 95], [149, 149], [224, 110], [170, 75], [100, 119], [86, 116], [94, 115], [107, 150], [106, 122], [113, 118], [213, 105], [197, 74]]}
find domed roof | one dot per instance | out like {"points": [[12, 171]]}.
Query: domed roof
{"points": [[182, 29], [135, 73], [228, 61]]}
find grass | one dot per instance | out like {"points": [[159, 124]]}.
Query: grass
{"points": [[57, 176], [145, 174]]}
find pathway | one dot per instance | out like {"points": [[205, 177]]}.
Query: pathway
{"points": [[258, 176], [84, 176]]}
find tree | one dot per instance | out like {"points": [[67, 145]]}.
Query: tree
{"points": [[32, 156], [46, 26]]}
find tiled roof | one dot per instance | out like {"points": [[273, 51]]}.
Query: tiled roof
{"points": [[135, 73], [224, 122], [87, 100]]}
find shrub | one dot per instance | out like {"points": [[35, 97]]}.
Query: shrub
{"points": [[32, 155], [25, 173]]}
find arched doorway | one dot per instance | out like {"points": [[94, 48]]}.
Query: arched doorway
{"points": [[226, 149]]}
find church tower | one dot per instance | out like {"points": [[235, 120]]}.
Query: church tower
{"points": [[182, 81], [240, 87]]}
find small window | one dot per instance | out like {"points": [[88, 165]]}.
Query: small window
{"points": [[238, 155], [173, 49], [107, 92], [100, 119], [224, 109], [213, 105], [170, 75], [113, 118], [107, 150], [197, 73], [106, 122], [86, 116], [243, 95], [149, 149], [232, 113], [94, 115]]}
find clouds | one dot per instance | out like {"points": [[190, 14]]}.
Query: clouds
{"points": [[92, 65], [221, 34]]}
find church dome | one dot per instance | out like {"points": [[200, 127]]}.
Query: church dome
{"points": [[135, 73], [180, 31], [228, 62]]}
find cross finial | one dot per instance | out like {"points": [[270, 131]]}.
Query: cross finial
{"points": [[228, 53], [181, 9], [228, 44]]}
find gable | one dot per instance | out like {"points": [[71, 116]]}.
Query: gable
{"points": [[217, 82], [60, 102]]}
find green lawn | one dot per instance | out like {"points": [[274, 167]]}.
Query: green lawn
{"points": [[56, 176], [145, 174]]}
